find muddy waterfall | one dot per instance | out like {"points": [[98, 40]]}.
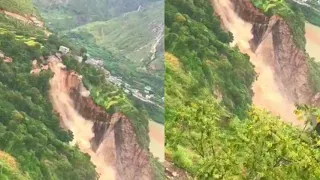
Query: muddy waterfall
{"points": [[281, 66], [109, 139]]}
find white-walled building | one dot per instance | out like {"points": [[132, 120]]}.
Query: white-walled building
{"points": [[149, 96], [64, 50]]}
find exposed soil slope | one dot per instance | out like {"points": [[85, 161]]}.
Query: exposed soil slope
{"points": [[26, 19], [281, 67], [109, 139]]}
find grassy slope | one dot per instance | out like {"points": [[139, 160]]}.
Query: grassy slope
{"points": [[10, 169], [18, 6], [123, 38], [75, 13], [312, 15], [129, 35]]}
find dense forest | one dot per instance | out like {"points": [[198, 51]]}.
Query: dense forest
{"points": [[32, 143], [212, 129], [30, 130]]}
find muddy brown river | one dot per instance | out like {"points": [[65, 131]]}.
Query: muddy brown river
{"points": [[313, 41]]}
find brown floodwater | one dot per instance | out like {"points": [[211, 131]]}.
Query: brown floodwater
{"points": [[72, 120], [313, 41], [156, 133]]}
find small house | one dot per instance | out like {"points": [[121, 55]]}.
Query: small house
{"points": [[127, 91], [147, 89], [64, 50], [79, 58], [149, 96]]}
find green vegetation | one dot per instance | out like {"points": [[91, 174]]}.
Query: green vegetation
{"points": [[314, 74], [153, 111], [312, 13], [66, 15], [114, 100], [291, 14], [29, 129], [16, 27], [212, 131], [131, 35], [124, 43], [10, 169], [158, 169], [260, 146], [117, 33], [110, 97], [205, 61], [18, 6], [273, 6], [119, 65]]}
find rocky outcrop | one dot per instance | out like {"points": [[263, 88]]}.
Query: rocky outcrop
{"points": [[100, 128], [132, 160], [114, 134], [290, 62]]}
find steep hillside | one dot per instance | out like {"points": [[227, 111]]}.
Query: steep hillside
{"points": [[41, 126], [310, 9], [213, 131], [24, 7], [10, 168], [292, 65], [119, 126], [130, 41], [119, 141], [63, 15], [137, 35], [30, 130]]}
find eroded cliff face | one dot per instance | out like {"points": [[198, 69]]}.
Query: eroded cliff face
{"points": [[289, 62], [109, 139], [270, 91], [116, 132]]}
